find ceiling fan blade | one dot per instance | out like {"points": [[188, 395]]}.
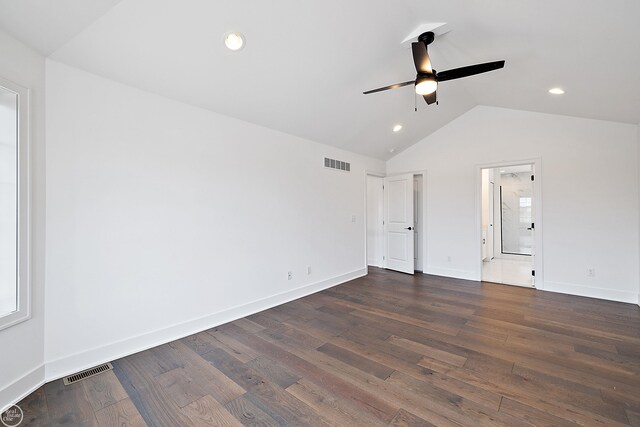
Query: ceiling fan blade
{"points": [[395, 86], [421, 58], [470, 70], [431, 98]]}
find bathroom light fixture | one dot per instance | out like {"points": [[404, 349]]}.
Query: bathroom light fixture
{"points": [[397, 128], [556, 91], [234, 41]]}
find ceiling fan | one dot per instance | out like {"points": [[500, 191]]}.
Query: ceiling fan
{"points": [[426, 82]]}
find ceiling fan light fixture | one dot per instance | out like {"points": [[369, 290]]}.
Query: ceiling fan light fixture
{"points": [[426, 82], [234, 41], [426, 85]]}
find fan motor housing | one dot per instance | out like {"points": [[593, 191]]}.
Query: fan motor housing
{"points": [[426, 38]]}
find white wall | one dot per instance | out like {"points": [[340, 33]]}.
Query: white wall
{"points": [[164, 219], [590, 219], [21, 346]]}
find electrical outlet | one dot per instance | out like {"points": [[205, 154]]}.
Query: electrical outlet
{"points": [[289, 275], [353, 218], [448, 258], [308, 269], [591, 272]]}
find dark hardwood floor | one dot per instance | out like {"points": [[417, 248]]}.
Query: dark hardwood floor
{"points": [[386, 349]]}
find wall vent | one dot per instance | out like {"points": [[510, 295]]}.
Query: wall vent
{"points": [[337, 164], [87, 373]]}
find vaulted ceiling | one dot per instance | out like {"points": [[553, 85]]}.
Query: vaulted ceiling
{"points": [[307, 62]]}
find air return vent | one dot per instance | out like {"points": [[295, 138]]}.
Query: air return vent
{"points": [[86, 374], [337, 164]]}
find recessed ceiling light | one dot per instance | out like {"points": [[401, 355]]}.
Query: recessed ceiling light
{"points": [[234, 41], [556, 91], [397, 128], [391, 150]]}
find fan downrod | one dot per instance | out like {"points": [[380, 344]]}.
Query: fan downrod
{"points": [[426, 38]]}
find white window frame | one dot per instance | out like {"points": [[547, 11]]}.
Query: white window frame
{"points": [[23, 311]]}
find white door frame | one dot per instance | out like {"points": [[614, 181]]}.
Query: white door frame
{"points": [[537, 232], [400, 226], [425, 227]]}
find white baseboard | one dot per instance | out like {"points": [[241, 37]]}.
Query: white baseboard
{"points": [[59, 368], [586, 291], [559, 287], [22, 387], [452, 272]]}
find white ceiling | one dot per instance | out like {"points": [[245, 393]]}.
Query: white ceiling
{"points": [[306, 63], [45, 25]]}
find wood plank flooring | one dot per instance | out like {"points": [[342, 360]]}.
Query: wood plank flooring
{"points": [[386, 349]]}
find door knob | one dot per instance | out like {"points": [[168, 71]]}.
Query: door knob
{"points": [[409, 228]]}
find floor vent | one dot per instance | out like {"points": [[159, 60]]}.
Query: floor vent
{"points": [[86, 374], [337, 164]]}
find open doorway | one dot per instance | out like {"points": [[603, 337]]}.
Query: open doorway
{"points": [[395, 222], [375, 220], [508, 225]]}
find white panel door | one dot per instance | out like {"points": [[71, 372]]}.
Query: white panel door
{"points": [[398, 227], [375, 219]]}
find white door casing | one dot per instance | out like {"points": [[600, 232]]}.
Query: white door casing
{"points": [[398, 229], [533, 220], [513, 270]]}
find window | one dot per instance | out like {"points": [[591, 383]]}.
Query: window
{"points": [[525, 210], [14, 204]]}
